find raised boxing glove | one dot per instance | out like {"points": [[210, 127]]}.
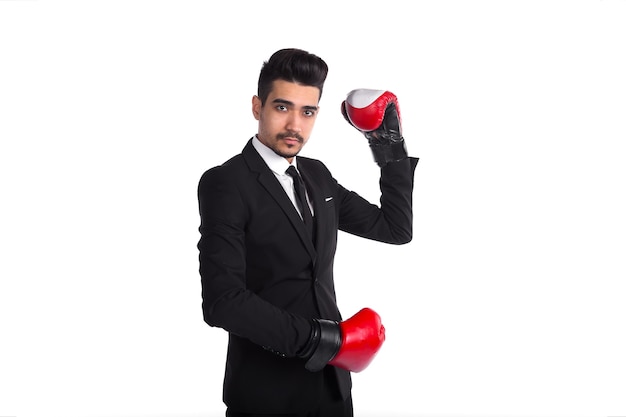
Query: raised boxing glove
{"points": [[351, 344], [376, 114]]}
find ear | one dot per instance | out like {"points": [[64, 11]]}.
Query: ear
{"points": [[256, 107]]}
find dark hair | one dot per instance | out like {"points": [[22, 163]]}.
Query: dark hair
{"points": [[293, 65]]}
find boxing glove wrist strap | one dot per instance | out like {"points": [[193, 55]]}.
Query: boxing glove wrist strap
{"points": [[311, 344], [389, 152], [323, 344]]}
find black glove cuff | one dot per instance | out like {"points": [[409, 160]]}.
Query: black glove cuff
{"points": [[311, 344], [323, 344], [389, 152]]}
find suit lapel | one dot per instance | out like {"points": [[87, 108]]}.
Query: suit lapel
{"points": [[268, 180]]}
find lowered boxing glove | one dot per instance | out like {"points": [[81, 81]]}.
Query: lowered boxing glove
{"points": [[376, 114], [351, 344]]}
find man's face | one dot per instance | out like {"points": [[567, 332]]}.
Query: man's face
{"points": [[287, 118]]}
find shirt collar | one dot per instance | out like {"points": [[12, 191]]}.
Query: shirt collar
{"points": [[275, 162]]}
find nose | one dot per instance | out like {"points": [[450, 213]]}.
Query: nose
{"points": [[294, 123]]}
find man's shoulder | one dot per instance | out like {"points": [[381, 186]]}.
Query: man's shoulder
{"points": [[234, 163], [224, 172], [312, 165]]}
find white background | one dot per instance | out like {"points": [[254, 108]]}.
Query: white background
{"points": [[509, 301]]}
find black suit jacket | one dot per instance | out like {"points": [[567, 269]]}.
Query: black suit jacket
{"points": [[263, 278]]}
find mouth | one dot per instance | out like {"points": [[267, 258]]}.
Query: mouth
{"points": [[291, 141]]}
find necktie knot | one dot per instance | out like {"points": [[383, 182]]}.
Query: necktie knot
{"points": [[293, 172]]}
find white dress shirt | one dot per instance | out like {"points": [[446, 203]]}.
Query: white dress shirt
{"points": [[279, 166]]}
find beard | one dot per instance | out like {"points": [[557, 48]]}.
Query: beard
{"points": [[286, 154], [290, 150]]}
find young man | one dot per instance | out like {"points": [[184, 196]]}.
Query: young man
{"points": [[266, 257]]}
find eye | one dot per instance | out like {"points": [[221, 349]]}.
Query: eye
{"points": [[281, 107], [309, 113]]}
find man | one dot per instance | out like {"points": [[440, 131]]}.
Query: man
{"points": [[266, 257]]}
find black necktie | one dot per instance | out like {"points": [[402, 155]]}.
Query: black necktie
{"points": [[300, 191]]}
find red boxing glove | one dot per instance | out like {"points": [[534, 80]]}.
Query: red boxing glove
{"points": [[376, 114], [362, 335], [351, 344]]}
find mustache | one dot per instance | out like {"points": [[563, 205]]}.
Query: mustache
{"points": [[290, 135]]}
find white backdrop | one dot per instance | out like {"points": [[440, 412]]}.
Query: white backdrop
{"points": [[508, 302]]}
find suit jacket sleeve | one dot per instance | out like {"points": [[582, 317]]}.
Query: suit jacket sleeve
{"points": [[227, 302], [392, 221]]}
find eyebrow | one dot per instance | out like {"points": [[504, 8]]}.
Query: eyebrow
{"points": [[290, 104]]}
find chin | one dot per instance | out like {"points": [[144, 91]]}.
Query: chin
{"points": [[290, 152], [288, 155]]}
